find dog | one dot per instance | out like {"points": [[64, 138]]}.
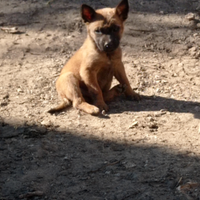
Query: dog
{"points": [[85, 80]]}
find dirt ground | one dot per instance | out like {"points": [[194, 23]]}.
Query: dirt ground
{"points": [[147, 150]]}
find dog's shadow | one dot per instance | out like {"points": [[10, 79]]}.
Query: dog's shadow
{"points": [[155, 103]]}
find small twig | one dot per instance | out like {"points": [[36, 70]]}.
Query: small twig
{"points": [[104, 166], [11, 72], [142, 30], [31, 194], [179, 181], [113, 163], [50, 2]]}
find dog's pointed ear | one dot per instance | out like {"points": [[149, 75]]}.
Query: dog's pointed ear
{"points": [[122, 9], [88, 13]]}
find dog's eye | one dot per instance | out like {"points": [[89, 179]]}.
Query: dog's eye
{"points": [[115, 29], [98, 31]]}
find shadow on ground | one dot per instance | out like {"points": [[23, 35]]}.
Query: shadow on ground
{"points": [[157, 103], [40, 163]]}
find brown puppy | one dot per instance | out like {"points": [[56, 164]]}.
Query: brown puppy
{"points": [[88, 75]]}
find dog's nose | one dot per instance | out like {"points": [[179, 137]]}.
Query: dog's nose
{"points": [[108, 46]]}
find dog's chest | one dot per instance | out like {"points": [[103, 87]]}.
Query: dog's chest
{"points": [[106, 69], [105, 74]]}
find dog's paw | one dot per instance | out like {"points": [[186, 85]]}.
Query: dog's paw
{"points": [[95, 111], [134, 97], [102, 106]]}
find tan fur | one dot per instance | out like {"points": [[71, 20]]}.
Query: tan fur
{"points": [[89, 72]]}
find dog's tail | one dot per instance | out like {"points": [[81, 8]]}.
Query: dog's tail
{"points": [[60, 107]]}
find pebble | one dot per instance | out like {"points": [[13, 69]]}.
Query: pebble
{"points": [[193, 51], [19, 90], [153, 126], [150, 119], [46, 123], [180, 65], [190, 16], [45, 102], [129, 165], [158, 90]]}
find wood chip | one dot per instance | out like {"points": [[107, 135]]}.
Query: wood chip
{"points": [[12, 30], [188, 186], [134, 124]]}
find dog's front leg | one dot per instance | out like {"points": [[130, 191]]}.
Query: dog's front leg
{"points": [[120, 75], [89, 77]]}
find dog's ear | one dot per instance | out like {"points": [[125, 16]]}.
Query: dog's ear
{"points": [[88, 13], [122, 9]]}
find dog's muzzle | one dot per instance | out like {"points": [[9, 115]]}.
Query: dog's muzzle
{"points": [[111, 45]]}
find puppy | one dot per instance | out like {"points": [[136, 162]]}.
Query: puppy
{"points": [[85, 80]]}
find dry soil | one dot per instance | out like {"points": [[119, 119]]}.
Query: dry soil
{"points": [[142, 151]]}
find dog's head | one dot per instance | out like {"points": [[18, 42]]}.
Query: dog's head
{"points": [[105, 26]]}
